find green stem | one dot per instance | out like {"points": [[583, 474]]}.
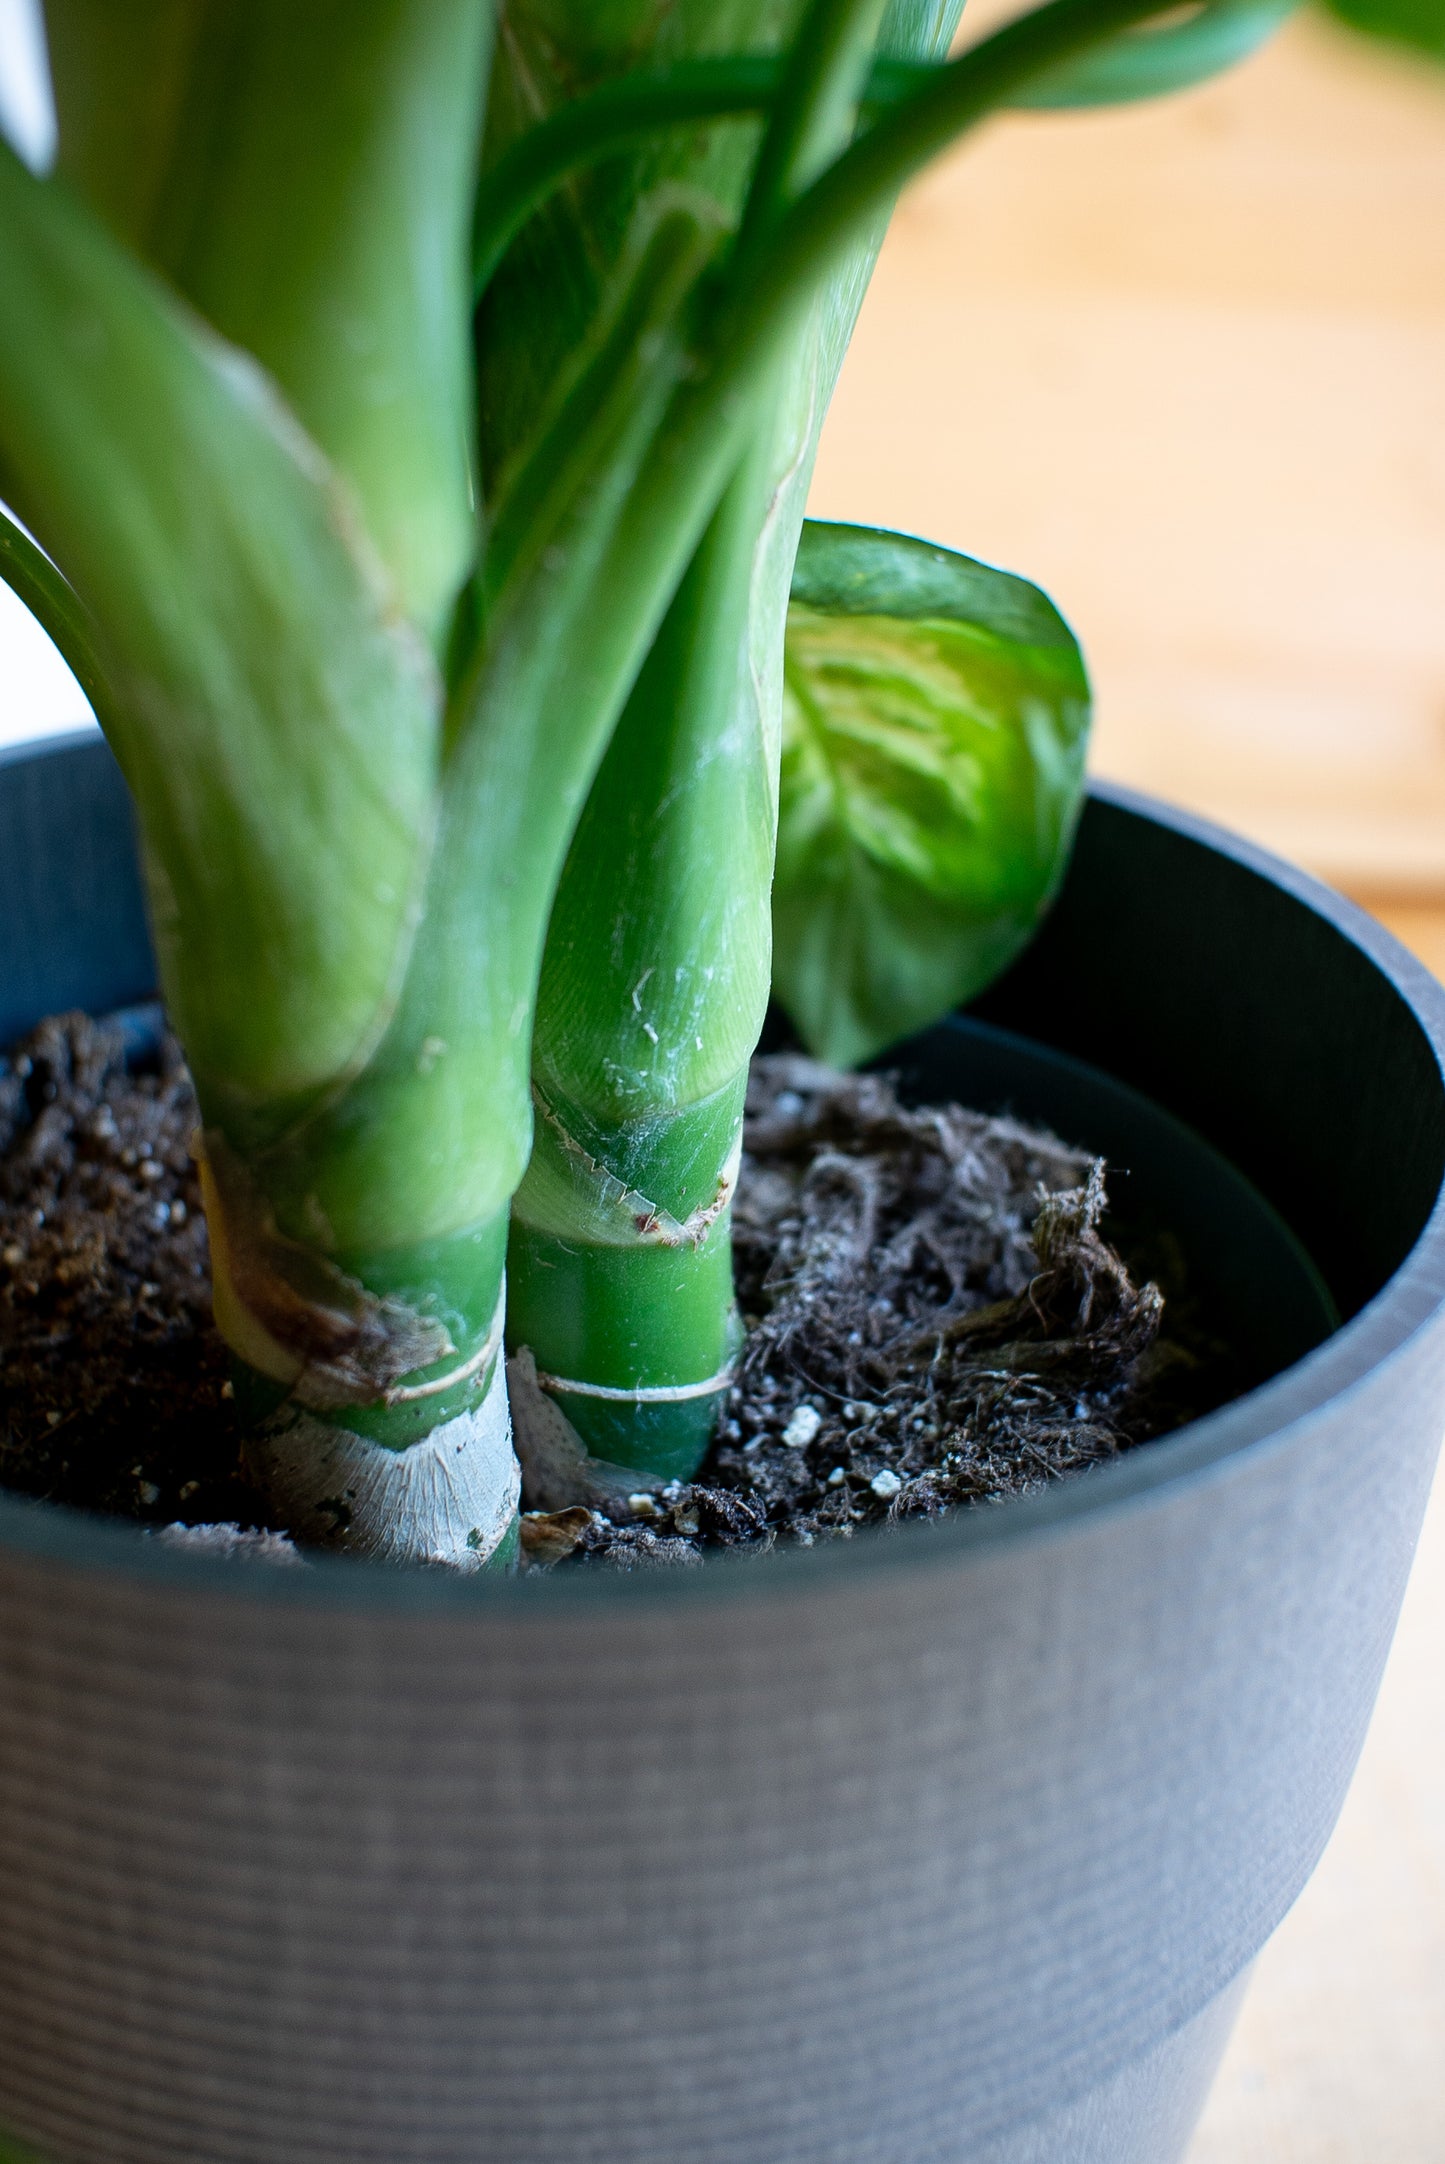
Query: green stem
{"points": [[581, 658], [629, 111], [596, 407], [404, 1177], [651, 998], [588, 657], [816, 106], [418, 1156], [641, 105], [657, 962], [770, 287], [280, 723], [433, 1136], [304, 176], [771, 279], [773, 283], [627, 1303], [277, 720], [601, 123], [410, 1169], [1150, 63]]}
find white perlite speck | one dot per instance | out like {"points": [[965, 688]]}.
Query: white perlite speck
{"points": [[803, 1426], [885, 1485]]}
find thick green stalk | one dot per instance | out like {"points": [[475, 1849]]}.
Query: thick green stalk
{"points": [[407, 1172], [277, 721], [310, 179], [280, 724], [651, 997], [303, 175], [658, 956], [616, 116], [815, 108], [433, 1135], [589, 659]]}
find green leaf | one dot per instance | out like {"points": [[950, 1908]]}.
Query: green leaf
{"points": [[276, 716], [935, 717], [1150, 62], [1419, 24], [303, 175]]}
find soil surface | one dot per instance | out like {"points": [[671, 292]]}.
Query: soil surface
{"points": [[935, 1317], [114, 1389]]}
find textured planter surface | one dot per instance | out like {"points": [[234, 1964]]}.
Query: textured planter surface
{"points": [[950, 1845]]}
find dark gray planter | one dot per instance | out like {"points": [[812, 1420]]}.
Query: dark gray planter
{"points": [[952, 1845]]}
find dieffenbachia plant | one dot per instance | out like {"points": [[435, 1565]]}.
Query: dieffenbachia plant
{"points": [[412, 407]]}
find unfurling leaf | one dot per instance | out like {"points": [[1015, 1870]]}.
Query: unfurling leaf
{"points": [[935, 716]]}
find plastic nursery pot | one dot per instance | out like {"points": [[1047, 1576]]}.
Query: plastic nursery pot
{"points": [[954, 1843]]}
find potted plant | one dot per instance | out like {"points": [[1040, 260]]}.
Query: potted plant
{"points": [[456, 794]]}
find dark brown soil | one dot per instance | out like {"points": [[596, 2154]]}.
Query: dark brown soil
{"points": [[113, 1383], [935, 1318]]}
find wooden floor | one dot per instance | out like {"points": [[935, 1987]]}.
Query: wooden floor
{"points": [[1186, 367]]}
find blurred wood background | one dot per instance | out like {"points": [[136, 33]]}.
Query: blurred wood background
{"points": [[1185, 366]]}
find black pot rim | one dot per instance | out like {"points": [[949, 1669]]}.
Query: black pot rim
{"points": [[1205, 1449]]}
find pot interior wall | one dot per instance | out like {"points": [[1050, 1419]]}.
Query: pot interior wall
{"points": [[1253, 1280], [1323, 1089]]}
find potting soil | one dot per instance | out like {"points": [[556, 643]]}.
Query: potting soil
{"points": [[935, 1317]]}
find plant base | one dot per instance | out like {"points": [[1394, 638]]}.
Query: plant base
{"points": [[455, 1494]]}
